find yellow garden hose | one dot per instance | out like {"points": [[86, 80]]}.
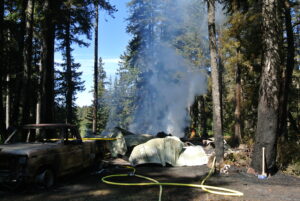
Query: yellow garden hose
{"points": [[108, 139], [209, 189], [84, 139]]}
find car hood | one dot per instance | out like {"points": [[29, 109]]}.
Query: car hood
{"points": [[25, 148]]}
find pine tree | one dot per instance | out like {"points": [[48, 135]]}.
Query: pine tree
{"points": [[2, 118], [47, 60], [103, 110], [75, 19], [267, 121], [216, 85], [27, 58], [122, 93], [242, 62], [95, 102], [285, 84], [98, 4]]}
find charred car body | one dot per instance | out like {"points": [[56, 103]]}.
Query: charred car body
{"points": [[40, 153]]}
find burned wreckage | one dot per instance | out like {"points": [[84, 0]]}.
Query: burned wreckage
{"points": [[40, 153], [163, 149]]}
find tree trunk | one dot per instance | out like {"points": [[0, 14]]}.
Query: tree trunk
{"points": [[39, 96], [8, 108], [48, 38], [203, 118], [17, 113], [27, 56], [290, 62], [266, 131], [216, 84], [69, 93], [95, 109], [237, 113], [8, 105], [194, 112], [2, 118]]}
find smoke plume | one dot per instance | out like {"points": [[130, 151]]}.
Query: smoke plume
{"points": [[168, 82], [172, 62], [169, 88]]}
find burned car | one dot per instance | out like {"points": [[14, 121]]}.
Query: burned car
{"points": [[42, 152]]}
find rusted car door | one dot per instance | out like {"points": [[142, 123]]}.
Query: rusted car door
{"points": [[71, 151]]}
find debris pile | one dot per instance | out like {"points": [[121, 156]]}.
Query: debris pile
{"points": [[166, 149]]}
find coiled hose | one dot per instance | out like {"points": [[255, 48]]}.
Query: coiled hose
{"points": [[209, 189]]}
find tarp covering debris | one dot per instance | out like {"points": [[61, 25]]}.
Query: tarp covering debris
{"points": [[148, 149], [160, 150], [192, 156]]}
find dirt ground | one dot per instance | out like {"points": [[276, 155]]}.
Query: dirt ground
{"points": [[87, 186]]}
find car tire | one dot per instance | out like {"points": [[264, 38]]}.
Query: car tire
{"points": [[46, 178]]}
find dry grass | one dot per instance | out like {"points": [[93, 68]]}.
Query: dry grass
{"points": [[239, 157]]}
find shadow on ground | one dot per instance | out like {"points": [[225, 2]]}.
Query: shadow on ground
{"points": [[85, 186]]}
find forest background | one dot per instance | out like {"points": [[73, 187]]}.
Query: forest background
{"points": [[34, 89]]}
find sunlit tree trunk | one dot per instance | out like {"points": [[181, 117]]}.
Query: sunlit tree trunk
{"points": [[95, 109], [39, 97], [7, 101], [237, 113], [216, 84], [267, 121], [237, 138], [8, 94]]}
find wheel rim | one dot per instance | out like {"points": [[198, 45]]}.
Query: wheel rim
{"points": [[46, 178]]}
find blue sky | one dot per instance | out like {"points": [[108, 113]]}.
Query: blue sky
{"points": [[113, 40]]}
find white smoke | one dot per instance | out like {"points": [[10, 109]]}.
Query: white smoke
{"points": [[170, 83], [168, 91]]}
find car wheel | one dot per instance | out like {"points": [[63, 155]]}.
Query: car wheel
{"points": [[46, 178]]}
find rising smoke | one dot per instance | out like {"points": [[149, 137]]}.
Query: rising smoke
{"points": [[169, 83], [169, 88]]}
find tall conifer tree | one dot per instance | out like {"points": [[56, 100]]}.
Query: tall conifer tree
{"points": [[216, 84], [267, 120]]}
